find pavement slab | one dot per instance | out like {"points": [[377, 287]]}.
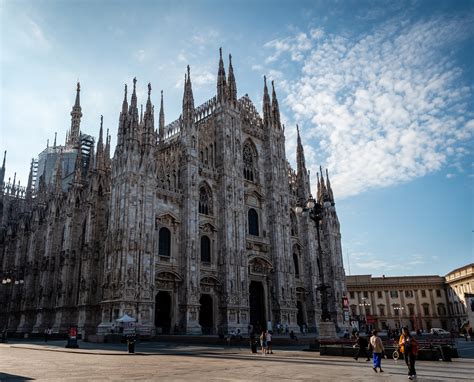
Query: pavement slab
{"points": [[171, 362]]}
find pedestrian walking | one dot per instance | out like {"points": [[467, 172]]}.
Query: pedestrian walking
{"points": [[269, 342], [378, 349], [293, 336], [361, 345], [409, 347], [263, 342]]}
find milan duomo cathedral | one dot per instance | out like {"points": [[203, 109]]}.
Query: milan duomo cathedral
{"points": [[188, 228]]}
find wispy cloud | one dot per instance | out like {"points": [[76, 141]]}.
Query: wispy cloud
{"points": [[37, 34], [200, 78], [385, 107], [295, 45]]}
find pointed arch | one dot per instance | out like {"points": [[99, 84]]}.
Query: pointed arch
{"points": [[205, 249], [205, 199], [296, 260], [253, 222], [250, 160], [164, 242]]}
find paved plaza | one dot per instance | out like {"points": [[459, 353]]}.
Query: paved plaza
{"points": [[175, 362]]}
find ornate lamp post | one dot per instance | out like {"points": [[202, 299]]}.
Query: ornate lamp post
{"points": [[8, 282], [315, 212]]}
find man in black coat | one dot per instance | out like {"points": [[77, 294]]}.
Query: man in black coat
{"points": [[361, 345]]}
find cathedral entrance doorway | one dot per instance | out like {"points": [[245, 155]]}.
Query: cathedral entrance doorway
{"points": [[163, 311], [206, 314], [300, 315], [257, 305]]}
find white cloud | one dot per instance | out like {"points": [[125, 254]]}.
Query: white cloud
{"points": [[140, 55], [316, 33], [295, 45], [200, 78], [384, 108]]}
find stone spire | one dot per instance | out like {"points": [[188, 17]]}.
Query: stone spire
{"points": [[122, 121], [55, 136], [149, 122], [302, 178], [232, 86], [322, 192], [133, 102], [76, 114], [107, 149], [161, 131], [266, 104], [2, 170], [329, 189], [12, 192], [100, 160], [300, 160], [188, 101], [125, 102], [221, 82], [275, 108]]}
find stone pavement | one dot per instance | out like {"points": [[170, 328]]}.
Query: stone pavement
{"points": [[175, 362]]}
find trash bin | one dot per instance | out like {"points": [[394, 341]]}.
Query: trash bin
{"points": [[446, 353], [253, 346]]}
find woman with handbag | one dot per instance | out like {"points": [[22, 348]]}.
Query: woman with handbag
{"points": [[409, 347]]}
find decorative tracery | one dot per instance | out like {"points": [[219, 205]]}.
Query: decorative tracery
{"points": [[249, 159], [205, 200]]}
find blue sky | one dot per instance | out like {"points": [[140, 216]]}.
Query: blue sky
{"points": [[382, 91]]}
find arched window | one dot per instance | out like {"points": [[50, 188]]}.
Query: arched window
{"points": [[296, 264], [253, 222], [205, 201], [164, 243], [249, 162], [205, 249]]}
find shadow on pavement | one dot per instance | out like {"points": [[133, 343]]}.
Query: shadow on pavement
{"points": [[13, 377]]}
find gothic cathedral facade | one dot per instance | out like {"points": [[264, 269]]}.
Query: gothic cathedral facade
{"points": [[190, 227]]}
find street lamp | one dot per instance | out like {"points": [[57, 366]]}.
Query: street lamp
{"points": [[365, 304], [8, 281], [398, 312], [315, 210]]}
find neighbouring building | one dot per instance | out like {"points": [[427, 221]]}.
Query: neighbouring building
{"points": [[190, 227], [460, 287], [419, 302]]}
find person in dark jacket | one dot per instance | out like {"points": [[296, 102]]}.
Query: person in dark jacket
{"points": [[361, 345]]}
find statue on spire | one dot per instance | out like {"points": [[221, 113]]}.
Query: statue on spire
{"points": [[76, 115]]}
